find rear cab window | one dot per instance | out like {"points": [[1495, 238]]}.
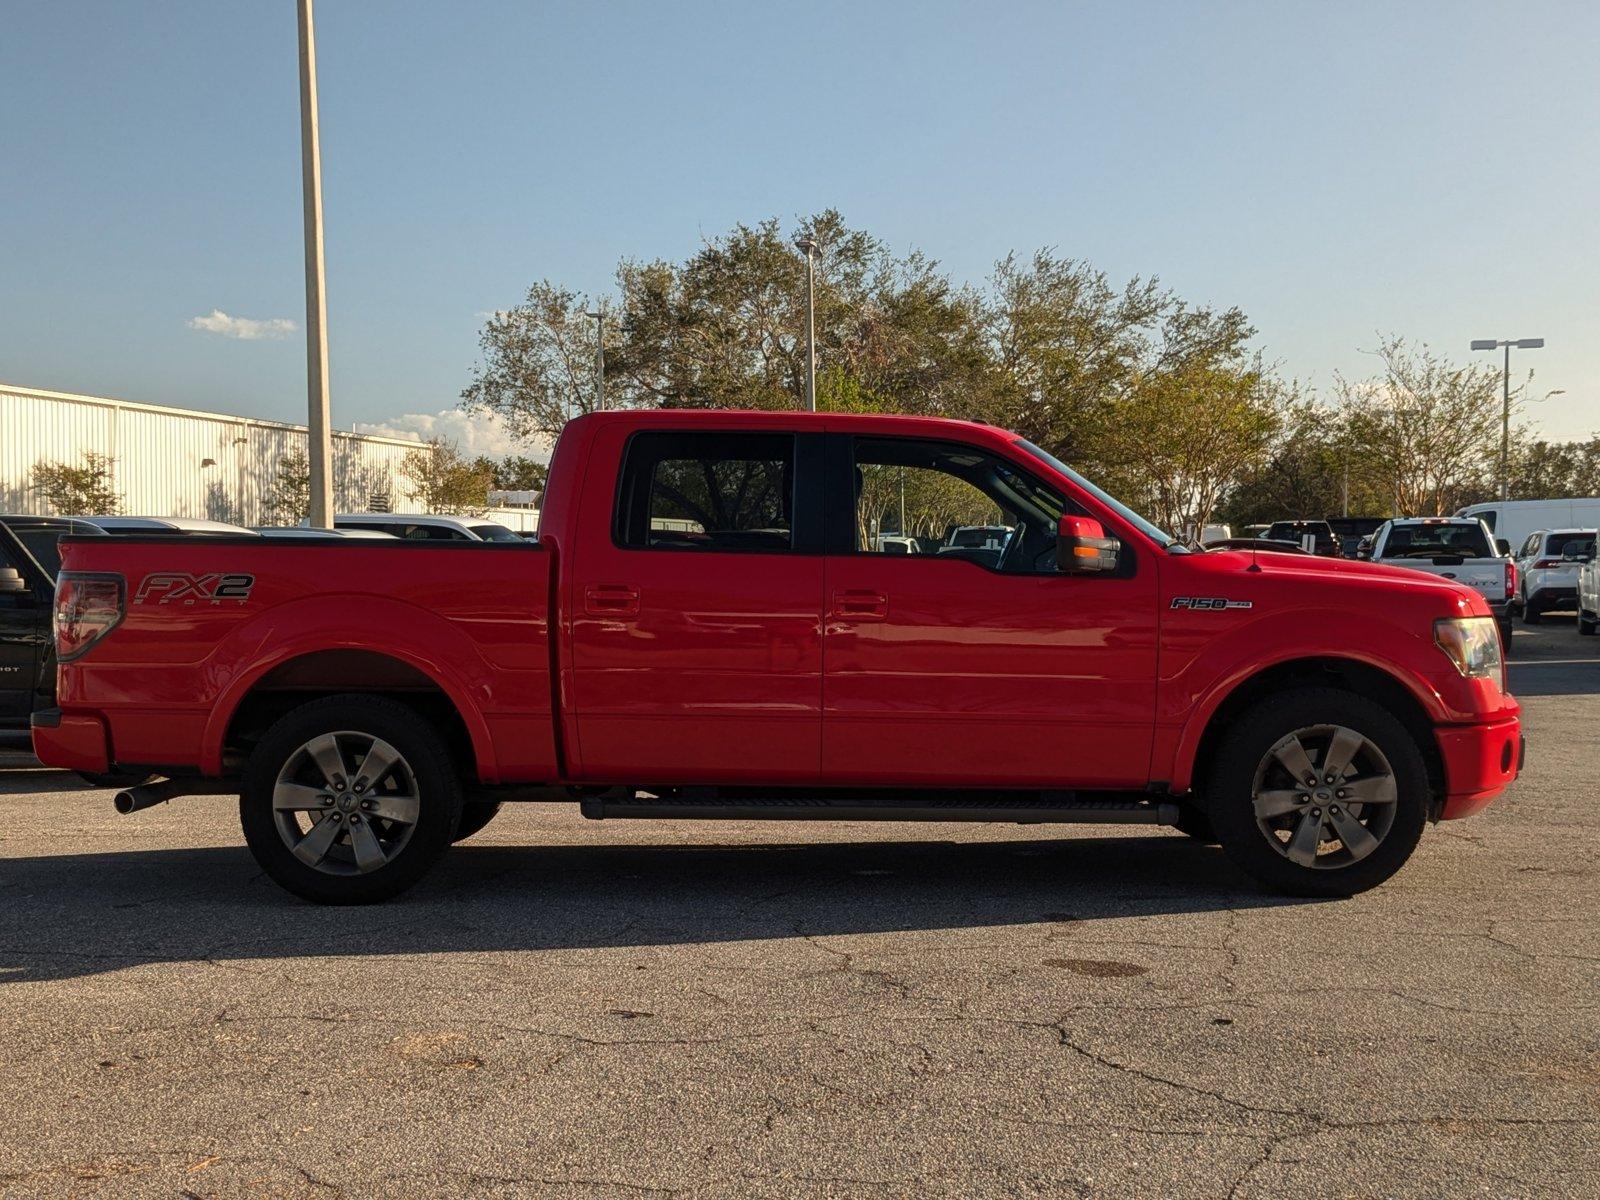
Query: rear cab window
{"points": [[1466, 539]]}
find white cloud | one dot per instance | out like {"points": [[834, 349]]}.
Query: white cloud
{"points": [[246, 329], [475, 433]]}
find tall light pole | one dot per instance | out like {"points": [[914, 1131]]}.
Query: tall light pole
{"points": [[808, 246], [599, 359], [1505, 401], [317, 420]]}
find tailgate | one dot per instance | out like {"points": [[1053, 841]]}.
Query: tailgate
{"points": [[1486, 576]]}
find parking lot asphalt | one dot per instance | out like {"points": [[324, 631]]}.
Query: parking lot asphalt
{"points": [[577, 1009]]}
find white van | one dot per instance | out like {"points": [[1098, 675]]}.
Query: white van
{"points": [[1514, 520]]}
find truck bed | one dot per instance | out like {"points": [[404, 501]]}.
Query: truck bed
{"points": [[220, 633]]}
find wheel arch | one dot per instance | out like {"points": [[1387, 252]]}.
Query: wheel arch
{"points": [[284, 682], [1205, 731]]}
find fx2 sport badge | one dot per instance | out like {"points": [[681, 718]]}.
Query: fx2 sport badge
{"points": [[169, 587], [1209, 603]]}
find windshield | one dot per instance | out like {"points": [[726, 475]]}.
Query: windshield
{"points": [[494, 533], [1159, 536], [1425, 541]]}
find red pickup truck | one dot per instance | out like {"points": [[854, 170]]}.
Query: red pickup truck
{"points": [[758, 615]]}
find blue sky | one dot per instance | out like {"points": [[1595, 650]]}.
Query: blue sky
{"points": [[1335, 170]]}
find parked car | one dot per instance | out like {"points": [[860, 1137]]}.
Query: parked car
{"points": [[1547, 570], [1588, 595], [29, 560], [1514, 520], [895, 543], [423, 527], [372, 707], [1352, 530], [129, 526], [301, 531], [1455, 548], [1321, 533]]}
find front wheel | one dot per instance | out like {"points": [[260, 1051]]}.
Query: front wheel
{"points": [[349, 800], [1319, 792]]}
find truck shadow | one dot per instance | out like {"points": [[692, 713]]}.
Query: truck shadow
{"points": [[76, 915]]}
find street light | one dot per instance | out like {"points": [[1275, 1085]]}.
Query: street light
{"points": [[318, 435], [1505, 403], [807, 245], [599, 358]]}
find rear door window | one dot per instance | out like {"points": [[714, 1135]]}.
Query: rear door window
{"points": [[724, 492]]}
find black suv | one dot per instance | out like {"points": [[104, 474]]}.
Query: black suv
{"points": [[29, 560]]}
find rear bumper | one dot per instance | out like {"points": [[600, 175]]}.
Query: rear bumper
{"points": [[1479, 761], [1559, 595], [74, 743]]}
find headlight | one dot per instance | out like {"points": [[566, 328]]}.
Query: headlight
{"points": [[1473, 645]]}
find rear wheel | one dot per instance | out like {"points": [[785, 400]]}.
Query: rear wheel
{"points": [[1530, 614], [1319, 792], [349, 800], [1586, 622]]}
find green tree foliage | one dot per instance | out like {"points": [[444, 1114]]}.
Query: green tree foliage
{"points": [[86, 489], [443, 480], [1543, 470], [288, 500], [519, 473]]}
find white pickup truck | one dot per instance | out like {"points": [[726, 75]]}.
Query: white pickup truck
{"points": [[1456, 548]]}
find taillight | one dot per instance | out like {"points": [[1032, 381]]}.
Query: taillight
{"points": [[87, 608], [1547, 564], [1511, 578]]}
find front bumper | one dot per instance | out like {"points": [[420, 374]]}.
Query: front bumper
{"points": [[74, 743], [1479, 762]]}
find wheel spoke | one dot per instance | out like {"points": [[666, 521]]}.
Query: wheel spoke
{"points": [[324, 752], [297, 797], [313, 848], [380, 760], [1276, 803], [1302, 847], [1374, 789], [1342, 750], [1352, 833], [404, 809], [1295, 759], [364, 844]]}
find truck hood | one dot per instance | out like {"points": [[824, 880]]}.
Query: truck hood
{"points": [[1338, 571]]}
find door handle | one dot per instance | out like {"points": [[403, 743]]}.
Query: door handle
{"points": [[611, 600], [861, 604]]}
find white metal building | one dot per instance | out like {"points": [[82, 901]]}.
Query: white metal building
{"points": [[178, 462]]}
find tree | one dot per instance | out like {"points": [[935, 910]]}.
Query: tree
{"points": [[86, 489], [1304, 473], [445, 481], [288, 501], [1428, 429], [519, 473]]}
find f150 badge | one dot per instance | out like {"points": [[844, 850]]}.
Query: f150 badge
{"points": [[167, 587], [1209, 603]]}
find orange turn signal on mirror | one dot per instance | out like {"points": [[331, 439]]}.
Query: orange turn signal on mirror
{"points": [[1086, 552]]}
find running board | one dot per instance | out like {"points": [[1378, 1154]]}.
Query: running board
{"points": [[1097, 811]]}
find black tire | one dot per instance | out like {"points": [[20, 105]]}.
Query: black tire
{"points": [[1231, 785], [437, 803], [1194, 821], [1530, 614], [1586, 623], [1505, 635], [475, 814]]}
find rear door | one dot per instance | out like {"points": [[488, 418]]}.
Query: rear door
{"points": [[696, 609], [984, 666]]}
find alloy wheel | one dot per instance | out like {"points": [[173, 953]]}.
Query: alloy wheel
{"points": [[346, 803], [1325, 796]]}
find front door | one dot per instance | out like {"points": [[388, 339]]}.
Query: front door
{"points": [[697, 611], [971, 661]]}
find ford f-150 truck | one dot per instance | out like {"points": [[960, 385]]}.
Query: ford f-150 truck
{"points": [[705, 629]]}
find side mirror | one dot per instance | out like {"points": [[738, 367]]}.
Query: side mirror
{"points": [[12, 583], [1082, 547], [1502, 547]]}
